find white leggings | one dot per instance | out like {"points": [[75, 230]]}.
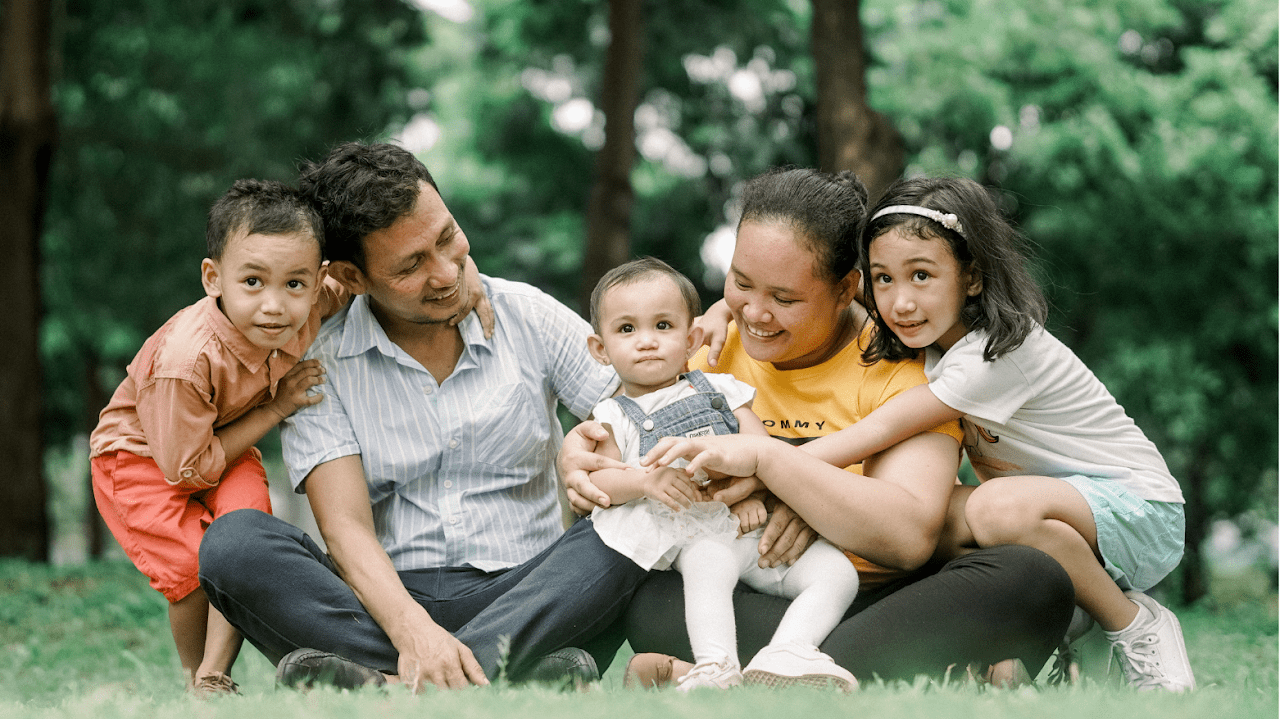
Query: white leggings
{"points": [[822, 583]]}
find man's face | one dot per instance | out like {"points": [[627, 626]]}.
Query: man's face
{"points": [[414, 268]]}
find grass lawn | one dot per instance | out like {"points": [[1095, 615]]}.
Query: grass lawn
{"points": [[93, 641]]}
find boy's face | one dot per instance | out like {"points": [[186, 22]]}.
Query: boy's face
{"points": [[644, 334], [266, 284]]}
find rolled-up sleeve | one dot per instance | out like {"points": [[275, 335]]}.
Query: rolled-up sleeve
{"points": [[178, 418]]}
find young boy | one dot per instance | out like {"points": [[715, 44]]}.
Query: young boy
{"points": [[642, 313], [173, 449]]}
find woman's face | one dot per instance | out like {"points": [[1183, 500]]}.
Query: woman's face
{"points": [[786, 313]]}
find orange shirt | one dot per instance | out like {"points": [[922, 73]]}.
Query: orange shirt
{"points": [[194, 375], [804, 404]]}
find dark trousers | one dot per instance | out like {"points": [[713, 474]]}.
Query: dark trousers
{"points": [[281, 591], [994, 604]]}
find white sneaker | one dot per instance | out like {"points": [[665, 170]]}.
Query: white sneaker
{"points": [[1153, 654], [710, 675], [783, 665]]}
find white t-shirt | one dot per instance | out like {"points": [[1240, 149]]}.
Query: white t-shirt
{"points": [[627, 434], [1039, 411]]}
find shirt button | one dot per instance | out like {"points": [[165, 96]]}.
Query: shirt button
{"points": [[448, 484], [453, 520], [428, 389], [453, 444], [648, 425], [186, 473]]}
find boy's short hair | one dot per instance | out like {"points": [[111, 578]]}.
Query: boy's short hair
{"points": [[263, 207], [636, 270]]}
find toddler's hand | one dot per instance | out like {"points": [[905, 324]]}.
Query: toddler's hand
{"points": [[670, 486], [291, 392], [750, 513]]}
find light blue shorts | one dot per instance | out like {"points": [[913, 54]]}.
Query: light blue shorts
{"points": [[1141, 541]]}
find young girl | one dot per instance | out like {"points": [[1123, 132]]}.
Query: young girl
{"points": [[642, 314], [1063, 468]]}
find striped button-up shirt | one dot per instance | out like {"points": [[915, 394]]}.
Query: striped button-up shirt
{"points": [[460, 472]]}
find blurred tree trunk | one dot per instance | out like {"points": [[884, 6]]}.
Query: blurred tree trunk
{"points": [[851, 136], [96, 398], [609, 209], [27, 128], [1194, 582]]}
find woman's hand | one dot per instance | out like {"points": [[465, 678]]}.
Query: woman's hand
{"points": [[785, 538], [712, 329]]}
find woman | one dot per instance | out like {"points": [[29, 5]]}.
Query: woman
{"points": [[795, 337]]}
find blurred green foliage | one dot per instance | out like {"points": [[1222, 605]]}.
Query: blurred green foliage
{"points": [[161, 107], [1135, 141]]}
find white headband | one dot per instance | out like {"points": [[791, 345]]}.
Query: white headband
{"points": [[947, 220]]}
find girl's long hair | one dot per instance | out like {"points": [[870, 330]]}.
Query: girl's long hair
{"points": [[1010, 305]]}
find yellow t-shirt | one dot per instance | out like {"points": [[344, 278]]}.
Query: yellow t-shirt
{"points": [[803, 404]]}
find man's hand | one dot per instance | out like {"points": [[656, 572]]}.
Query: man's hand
{"points": [[671, 487], [577, 459], [433, 656], [712, 329], [291, 392], [477, 300], [785, 537], [750, 513]]}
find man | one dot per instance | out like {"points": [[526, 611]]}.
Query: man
{"points": [[429, 467]]}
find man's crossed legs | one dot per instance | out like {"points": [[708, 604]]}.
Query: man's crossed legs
{"points": [[275, 585]]}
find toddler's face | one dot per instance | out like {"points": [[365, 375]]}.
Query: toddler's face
{"points": [[644, 334], [266, 284]]}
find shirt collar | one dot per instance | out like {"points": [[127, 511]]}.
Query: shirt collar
{"points": [[250, 355], [362, 332]]}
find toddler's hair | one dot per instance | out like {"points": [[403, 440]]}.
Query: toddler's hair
{"points": [[1010, 304], [825, 209], [642, 269], [359, 189], [263, 207]]}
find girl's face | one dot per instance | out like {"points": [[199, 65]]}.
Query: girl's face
{"points": [[786, 313], [920, 288]]}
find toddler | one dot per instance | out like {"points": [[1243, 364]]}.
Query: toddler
{"points": [[642, 313]]}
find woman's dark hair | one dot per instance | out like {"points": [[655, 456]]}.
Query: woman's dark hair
{"points": [[359, 189], [264, 207], [1010, 304], [825, 209]]}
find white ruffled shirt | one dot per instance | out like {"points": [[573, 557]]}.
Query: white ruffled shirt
{"points": [[648, 532]]}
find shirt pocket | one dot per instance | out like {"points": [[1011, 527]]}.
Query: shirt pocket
{"points": [[512, 429]]}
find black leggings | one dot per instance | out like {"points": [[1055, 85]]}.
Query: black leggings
{"points": [[994, 604]]}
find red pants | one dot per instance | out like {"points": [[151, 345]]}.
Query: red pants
{"points": [[159, 525]]}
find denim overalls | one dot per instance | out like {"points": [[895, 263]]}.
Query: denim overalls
{"points": [[701, 415]]}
